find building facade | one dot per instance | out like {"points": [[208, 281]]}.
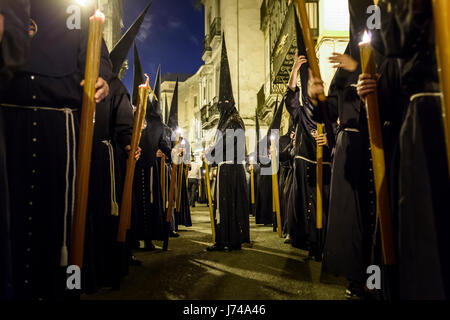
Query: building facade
{"points": [[261, 42], [113, 11], [329, 22], [238, 21]]}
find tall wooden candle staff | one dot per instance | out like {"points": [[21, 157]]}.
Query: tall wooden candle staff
{"points": [[97, 22], [173, 175], [163, 181], [307, 36], [441, 10], [208, 191], [252, 180], [125, 206], [180, 179], [173, 179], [376, 143], [319, 181], [275, 190]]}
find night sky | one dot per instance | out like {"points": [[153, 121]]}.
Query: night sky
{"points": [[171, 35]]}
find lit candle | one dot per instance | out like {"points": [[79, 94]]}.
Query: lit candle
{"points": [[138, 125], [85, 140], [368, 66]]}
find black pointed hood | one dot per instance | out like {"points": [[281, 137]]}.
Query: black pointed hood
{"points": [[156, 110], [276, 120], [225, 89], [226, 109], [120, 51], [358, 24], [173, 117], [166, 110], [138, 75]]}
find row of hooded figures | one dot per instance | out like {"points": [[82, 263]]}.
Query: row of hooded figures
{"points": [[320, 195]]}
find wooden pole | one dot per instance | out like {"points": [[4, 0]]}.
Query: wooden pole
{"points": [[275, 190], [208, 191], [179, 186], [163, 181], [319, 181], [252, 182], [186, 174], [441, 9], [309, 43], [86, 136], [125, 206], [378, 161], [173, 179]]}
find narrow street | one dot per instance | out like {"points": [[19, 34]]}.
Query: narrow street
{"points": [[268, 269]]}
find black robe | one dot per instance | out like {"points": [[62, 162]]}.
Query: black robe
{"points": [[13, 53], [41, 146], [183, 217], [203, 196], [285, 182], [423, 175], [285, 170], [112, 132], [150, 212], [303, 231], [351, 217], [264, 198], [230, 194]]}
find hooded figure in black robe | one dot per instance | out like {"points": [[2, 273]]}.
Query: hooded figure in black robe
{"points": [[150, 211], [352, 211], [265, 213], [422, 189], [14, 49], [285, 178], [41, 112], [112, 134], [231, 198], [183, 213], [302, 207]]}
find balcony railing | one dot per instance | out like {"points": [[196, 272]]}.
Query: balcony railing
{"points": [[206, 46], [216, 28], [209, 114]]}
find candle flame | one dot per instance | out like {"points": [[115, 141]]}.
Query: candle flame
{"points": [[367, 38], [98, 15], [82, 2], [251, 159], [147, 86], [178, 130], [183, 142], [147, 82]]}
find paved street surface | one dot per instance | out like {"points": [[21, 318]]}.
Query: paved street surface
{"points": [[267, 269]]}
